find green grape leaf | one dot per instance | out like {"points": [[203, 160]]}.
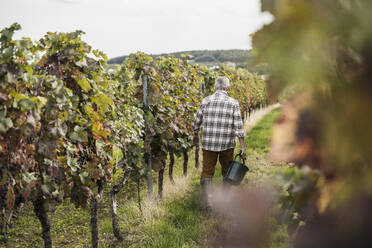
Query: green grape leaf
{"points": [[27, 104], [78, 135], [84, 177], [103, 101], [83, 83], [29, 177]]}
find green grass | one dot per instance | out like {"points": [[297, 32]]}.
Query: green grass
{"points": [[261, 170], [184, 225], [258, 138], [171, 222], [176, 221]]}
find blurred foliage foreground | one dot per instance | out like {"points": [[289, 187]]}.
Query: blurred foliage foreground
{"points": [[323, 50]]}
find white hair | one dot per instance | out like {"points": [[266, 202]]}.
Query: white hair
{"points": [[222, 83]]}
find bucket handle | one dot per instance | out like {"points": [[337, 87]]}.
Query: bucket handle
{"points": [[240, 155]]}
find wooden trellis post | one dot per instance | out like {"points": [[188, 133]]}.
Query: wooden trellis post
{"points": [[147, 141]]}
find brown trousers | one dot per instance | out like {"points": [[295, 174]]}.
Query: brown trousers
{"points": [[210, 161]]}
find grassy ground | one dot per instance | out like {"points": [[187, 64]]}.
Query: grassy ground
{"points": [[258, 138], [167, 223], [262, 170], [176, 221]]}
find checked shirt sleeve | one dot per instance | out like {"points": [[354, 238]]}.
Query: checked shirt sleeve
{"points": [[238, 122], [198, 120]]}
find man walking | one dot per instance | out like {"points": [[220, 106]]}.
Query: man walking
{"points": [[221, 122]]}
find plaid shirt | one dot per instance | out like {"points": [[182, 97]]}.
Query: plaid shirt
{"points": [[220, 119]]}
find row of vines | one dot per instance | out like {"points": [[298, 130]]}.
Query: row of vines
{"points": [[67, 123]]}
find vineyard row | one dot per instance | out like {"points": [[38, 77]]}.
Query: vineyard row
{"points": [[67, 123]]}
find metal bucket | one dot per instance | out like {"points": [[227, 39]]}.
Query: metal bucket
{"points": [[236, 171]]}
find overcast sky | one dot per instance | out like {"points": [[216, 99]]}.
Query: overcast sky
{"points": [[120, 27]]}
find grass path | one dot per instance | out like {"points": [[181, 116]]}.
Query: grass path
{"points": [[184, 224], [257, 115], [176, 221]]}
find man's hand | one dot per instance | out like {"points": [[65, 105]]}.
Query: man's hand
{"points": [[242, 144], [195, 140], [244, 154]]}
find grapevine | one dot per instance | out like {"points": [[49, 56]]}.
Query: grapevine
{"points": [[67, 125]]}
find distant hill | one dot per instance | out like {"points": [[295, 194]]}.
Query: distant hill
{"points": [[204, 56], [210, 58]]}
